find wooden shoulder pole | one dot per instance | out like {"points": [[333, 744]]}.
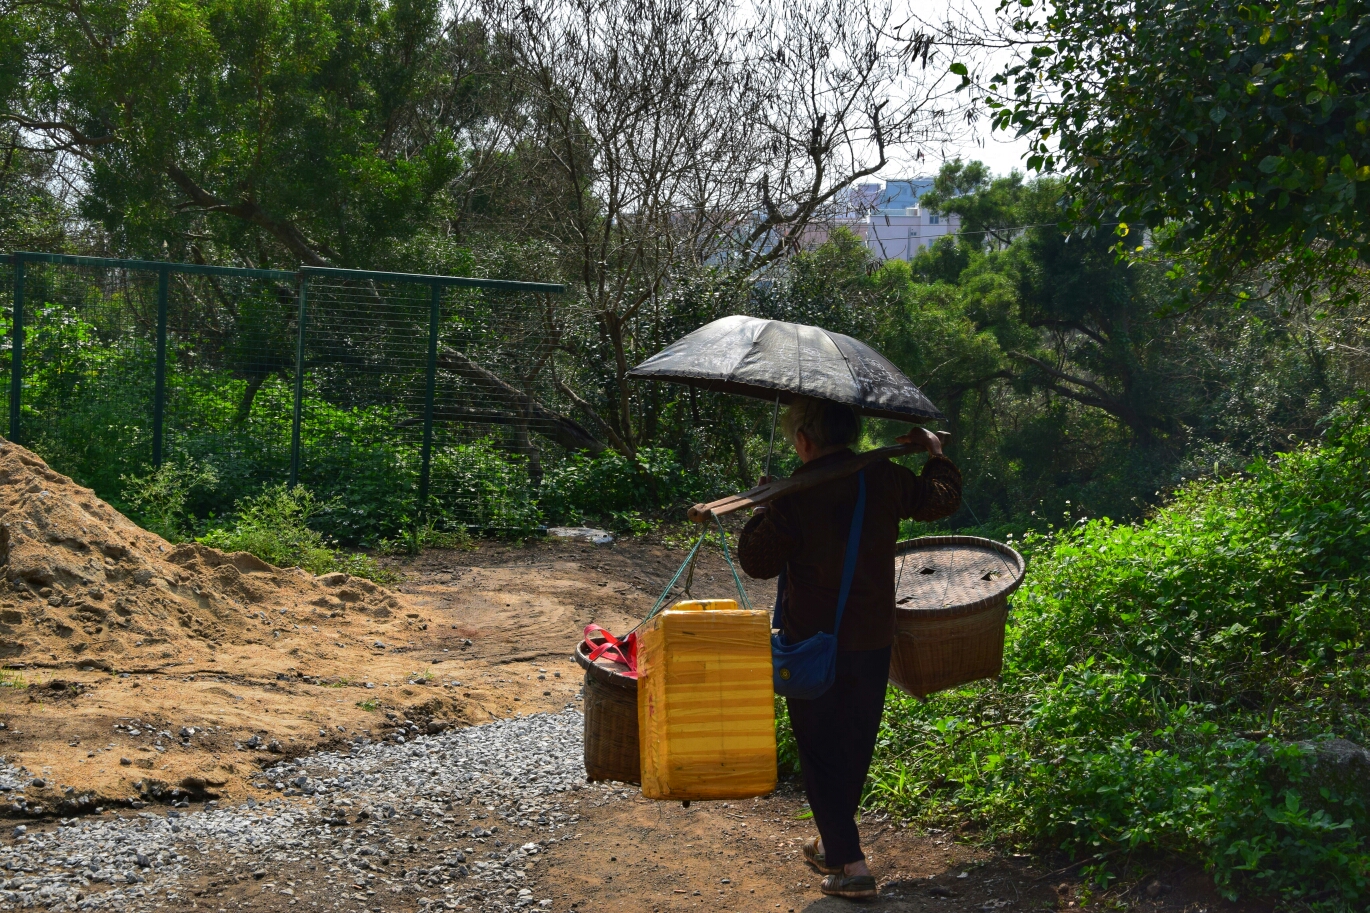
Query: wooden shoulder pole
{"points": [[700, 513]]}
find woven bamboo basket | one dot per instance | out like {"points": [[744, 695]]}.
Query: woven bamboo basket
{"points": [[951, 600], [611, 746]]}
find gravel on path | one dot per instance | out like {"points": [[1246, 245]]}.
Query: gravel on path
{"points": [[454, 821]]}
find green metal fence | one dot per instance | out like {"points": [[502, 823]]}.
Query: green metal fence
{"points": [[397, 398]]}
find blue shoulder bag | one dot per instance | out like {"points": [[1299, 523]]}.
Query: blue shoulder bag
{"points": [[807, 669]]}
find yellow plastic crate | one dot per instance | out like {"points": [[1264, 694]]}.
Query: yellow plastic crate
{"points": [[705, 706]]}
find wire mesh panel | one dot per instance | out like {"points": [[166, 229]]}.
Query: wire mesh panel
{"points": [[89, 370], [493, 433], [230, 378], [392, 363], [365, 356], [396, 399]]}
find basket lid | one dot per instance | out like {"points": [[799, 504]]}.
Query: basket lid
{"points": [[954, 574]]}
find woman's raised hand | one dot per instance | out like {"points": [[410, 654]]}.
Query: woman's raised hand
{"points": [[929, 441]]}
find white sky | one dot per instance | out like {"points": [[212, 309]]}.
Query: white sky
{"points": [[999, 150]]}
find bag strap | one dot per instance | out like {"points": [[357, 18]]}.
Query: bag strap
{"points": [[858, 518], [778, 615]]}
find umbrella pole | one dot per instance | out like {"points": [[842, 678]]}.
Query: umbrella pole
{"points": [[775, 414]]}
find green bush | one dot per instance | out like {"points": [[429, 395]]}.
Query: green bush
{"points": [[786, 751], [158, 500], [274, 526], [1155, 678], [613, 490], [490, 484]]}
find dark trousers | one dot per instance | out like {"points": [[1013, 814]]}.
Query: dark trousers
{"points": [[835, 734]]}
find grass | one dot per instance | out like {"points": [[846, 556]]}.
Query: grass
{"points": [[430, 536], [274, 526], [370, 705], [12, 678]]}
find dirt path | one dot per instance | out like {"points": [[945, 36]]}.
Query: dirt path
{"points": [[644, 855], [487, 635], [632, 854]]}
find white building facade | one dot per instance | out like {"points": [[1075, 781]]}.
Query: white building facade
{"points": [[892, 223]]}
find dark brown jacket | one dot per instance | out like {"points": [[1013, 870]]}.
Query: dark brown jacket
{"points": [[806, 533]]}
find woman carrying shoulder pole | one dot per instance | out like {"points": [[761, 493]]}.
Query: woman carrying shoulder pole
{"points": [[802, 538]]}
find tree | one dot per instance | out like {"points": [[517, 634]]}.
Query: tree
{"points": [[32, 214], [991, 211], [1063, 382], [1087, 321], [678, 137], [268, 131], [1238, 134], [629, 146]]}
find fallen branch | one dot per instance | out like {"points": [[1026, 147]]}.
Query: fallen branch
{"points": [[566, 432]]}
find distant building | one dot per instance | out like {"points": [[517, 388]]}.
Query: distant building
{"points": [[888, 218]]}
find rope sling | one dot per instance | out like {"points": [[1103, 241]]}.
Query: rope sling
{"points": [[623, 650]]}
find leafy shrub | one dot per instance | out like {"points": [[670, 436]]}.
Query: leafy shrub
{"points": [[274, 526], [612, 489], [786, 751], [368, 474], [490, 485], [158, 500], [429, 535], [1155, 678]]}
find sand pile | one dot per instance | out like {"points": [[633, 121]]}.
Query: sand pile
{"points": [[84, 586]]}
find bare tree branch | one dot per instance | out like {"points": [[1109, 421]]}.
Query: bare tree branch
{"points": [[285, 232], [564, 431]]}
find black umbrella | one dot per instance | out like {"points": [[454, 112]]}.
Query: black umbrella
{"points": [[778, 361]]}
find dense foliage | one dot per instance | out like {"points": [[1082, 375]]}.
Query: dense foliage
{"points": [[296, 120], [1258, 154], [1062, 382], [274, 526], [494, 141], [1157, 676]]}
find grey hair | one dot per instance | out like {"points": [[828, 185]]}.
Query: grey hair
{"points": [[824, 422]]}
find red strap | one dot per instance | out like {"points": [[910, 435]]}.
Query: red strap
{"points": [[620, 651], [609, 641]]}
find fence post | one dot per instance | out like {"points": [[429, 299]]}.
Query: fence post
{"points": [[17, 348], [159, 389], [302, 295], [429, 393]]}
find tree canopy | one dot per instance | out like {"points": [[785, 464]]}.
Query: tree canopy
{"points": [[1237, 134], [307, 123], [1063, 376], [677, 160]]}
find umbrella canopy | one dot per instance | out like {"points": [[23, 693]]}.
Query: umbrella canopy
{"points": [[771, 359]]}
